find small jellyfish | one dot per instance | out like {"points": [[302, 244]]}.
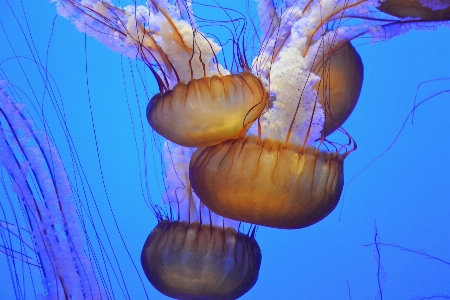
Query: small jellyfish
{"points": [[197, 254], [199, 261], [426, 10]]}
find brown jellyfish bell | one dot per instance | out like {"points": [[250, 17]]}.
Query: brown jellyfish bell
{"points": [[417, 9], [200, 261], [342, 74], [208, 110], [266, 182], [197, 254]]}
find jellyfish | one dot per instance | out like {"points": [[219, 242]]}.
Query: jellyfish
{"points": [[278, 178], [239, 99], [310, 242], [182, 60], [197, 254], [422, 9], [340, 94]]}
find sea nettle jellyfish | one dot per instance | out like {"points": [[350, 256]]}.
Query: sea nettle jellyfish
{"points": [[286, 176], [278, 178], [209, 104], [197, 254]]}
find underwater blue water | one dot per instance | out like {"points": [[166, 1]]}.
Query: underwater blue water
{"points": [[406, 191]]}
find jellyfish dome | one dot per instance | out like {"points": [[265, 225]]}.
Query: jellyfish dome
{"points": [[197, 254], [282, 187], [342, 74], [208, 110], [200, 261]]}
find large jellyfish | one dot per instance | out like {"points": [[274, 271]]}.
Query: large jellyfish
{"points": [[330, 249]]}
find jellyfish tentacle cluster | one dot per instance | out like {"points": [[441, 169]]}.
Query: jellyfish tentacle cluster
{"points": [[57, 234]]}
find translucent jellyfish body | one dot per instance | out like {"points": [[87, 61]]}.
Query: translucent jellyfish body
{"points": [[342, 75], [194, 261], [427, 10], [208, 110], [264, 182], [194, 253]]}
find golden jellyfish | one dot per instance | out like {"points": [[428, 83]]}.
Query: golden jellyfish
{"points": [[278, 178], [208, 110], [209, 104], [426, 10], [267, 182], [199, 261], [197, 254]]}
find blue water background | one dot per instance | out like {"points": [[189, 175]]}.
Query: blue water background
{"points": [[406, 192]]}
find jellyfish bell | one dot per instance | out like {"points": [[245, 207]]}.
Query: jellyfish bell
{"points": [[209, 110], [342, 74], [194, 253], [425, 10], [200, 261], [267, 183]]}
